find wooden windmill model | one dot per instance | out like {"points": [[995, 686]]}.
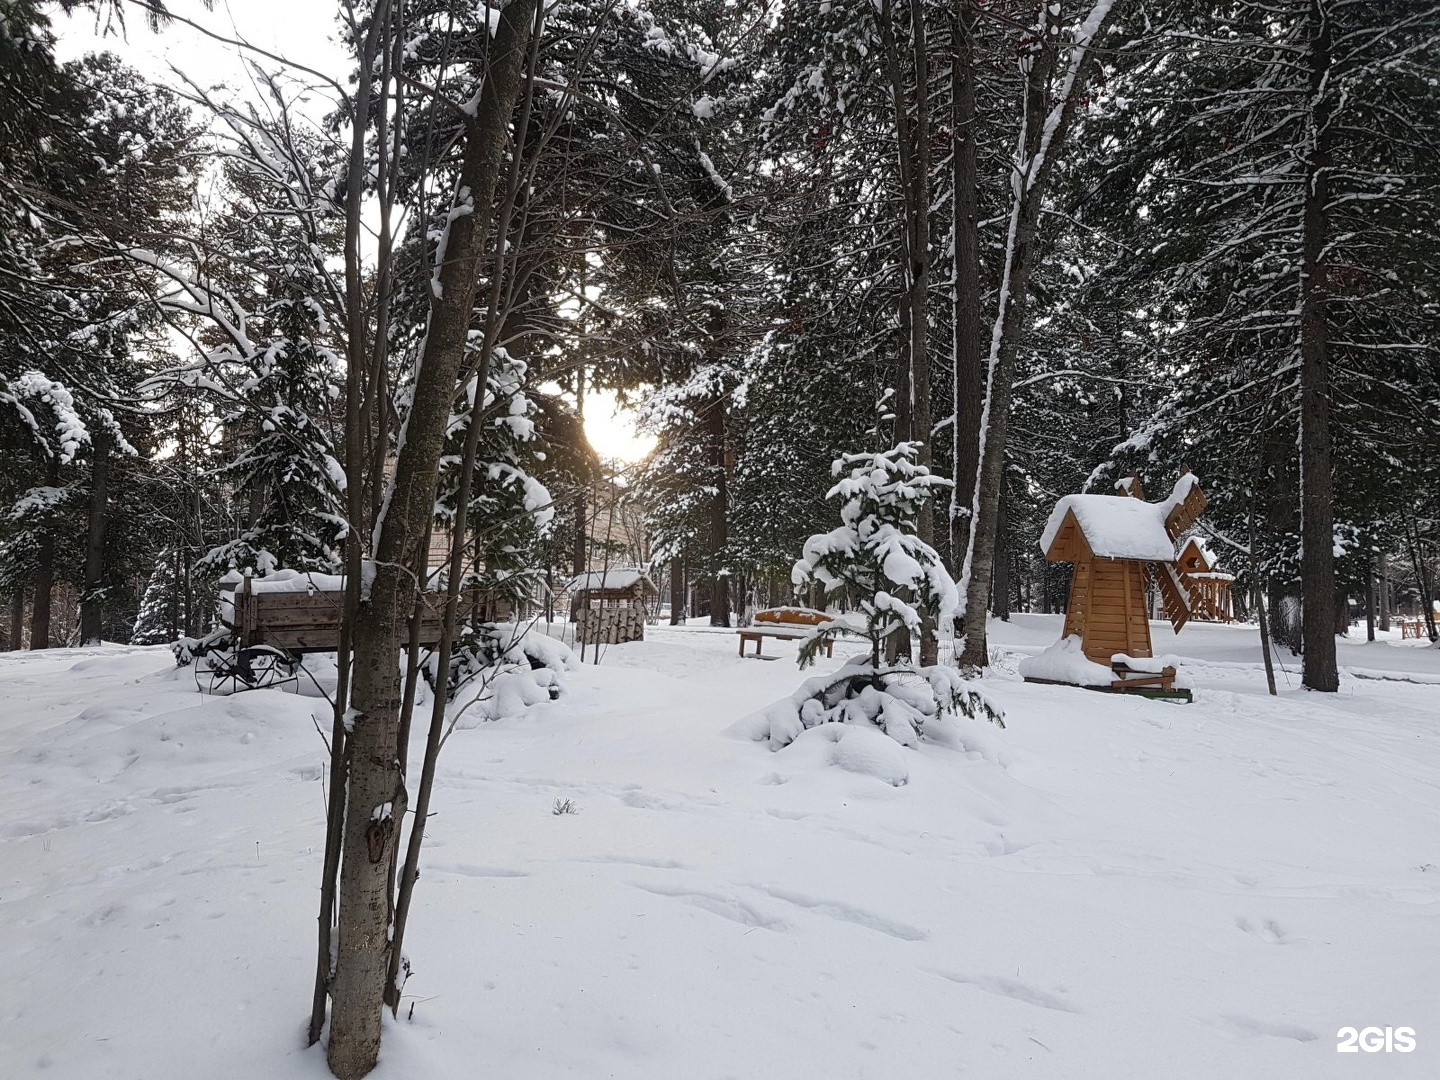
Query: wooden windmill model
{"points": [[1118, 545]]}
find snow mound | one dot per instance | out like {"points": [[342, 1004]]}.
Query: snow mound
{"points": [[906, 704], [502, 670], [860, 750], [1066, 662]]}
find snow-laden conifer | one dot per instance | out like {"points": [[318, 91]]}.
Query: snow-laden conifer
{"points": [[901, 591]]}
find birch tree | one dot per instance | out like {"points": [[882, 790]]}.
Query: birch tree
{"points": [[1056, 62]]}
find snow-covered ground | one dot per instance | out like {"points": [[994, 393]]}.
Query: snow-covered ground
{"points": [[1111, 887]]}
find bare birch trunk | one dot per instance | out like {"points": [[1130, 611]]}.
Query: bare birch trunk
{"points": [[1048, 115]]}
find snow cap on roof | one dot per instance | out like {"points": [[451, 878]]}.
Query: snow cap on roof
{"points": [[619, 578], [1115, 527], [1120, 526], [1201, 545]]}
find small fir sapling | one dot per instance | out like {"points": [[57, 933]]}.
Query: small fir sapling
{"points": [[901, 586], [875, 555]]}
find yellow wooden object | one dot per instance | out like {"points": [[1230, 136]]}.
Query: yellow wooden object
{"points": [[1107, 608]]}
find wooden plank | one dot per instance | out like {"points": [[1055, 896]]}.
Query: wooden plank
{"points": [[1105, 621]]}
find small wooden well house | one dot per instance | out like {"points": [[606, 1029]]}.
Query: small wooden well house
{"points": [[1210, 592], [1119, 544], [612, 606]]}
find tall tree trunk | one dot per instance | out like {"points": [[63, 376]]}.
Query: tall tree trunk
{"points": [[1422, 580], [91, 607], [44, 589], [912, 144], [44, 573], [1001, 584], [1048, 113], [1384, 592], [718, 535], [580, 554], [375, 782], [967, 344], [1317, 532], [17, 618], [677, 591], [1370, 597]]}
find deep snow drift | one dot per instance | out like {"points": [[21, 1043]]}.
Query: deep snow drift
{"points": [[1110, 887]]}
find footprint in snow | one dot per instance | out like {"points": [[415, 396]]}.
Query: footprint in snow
{"points": [[1267, 930], [1249, 1027], [726, 906], [1011, 988]]}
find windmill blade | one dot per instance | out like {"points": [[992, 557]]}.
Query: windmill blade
{"points": [[1174, 594], [1185, 505]]}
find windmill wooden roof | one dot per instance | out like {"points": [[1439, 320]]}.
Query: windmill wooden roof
{"points": [[1122, 526], [1110, 527]]}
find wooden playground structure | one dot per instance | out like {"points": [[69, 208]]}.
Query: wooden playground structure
{"points": [[1210, 587]]}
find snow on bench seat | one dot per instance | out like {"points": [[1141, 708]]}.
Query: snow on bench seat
{"points": [[784, 622]]}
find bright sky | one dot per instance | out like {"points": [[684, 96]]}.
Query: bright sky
{"points": [[611, 429], [303, 31]]}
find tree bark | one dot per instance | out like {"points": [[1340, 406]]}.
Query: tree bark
{"points": [[580, 556], [719, 531], [1001, 586], [1317, 531], [91, 608], [1370, 598], [1422, 580], [912, 147], [17, 619], [677, 591], [968, 343], [44, 573], [362, 952], [912, 144], [1384, 592]]}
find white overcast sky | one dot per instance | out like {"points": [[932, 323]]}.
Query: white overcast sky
{"points": [[302, 31]]}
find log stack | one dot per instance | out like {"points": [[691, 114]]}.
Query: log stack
{"points": [[611, 624]]}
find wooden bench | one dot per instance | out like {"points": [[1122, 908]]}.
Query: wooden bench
{"points": [[786, 622], [1133, 680], [1411, 627]]}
